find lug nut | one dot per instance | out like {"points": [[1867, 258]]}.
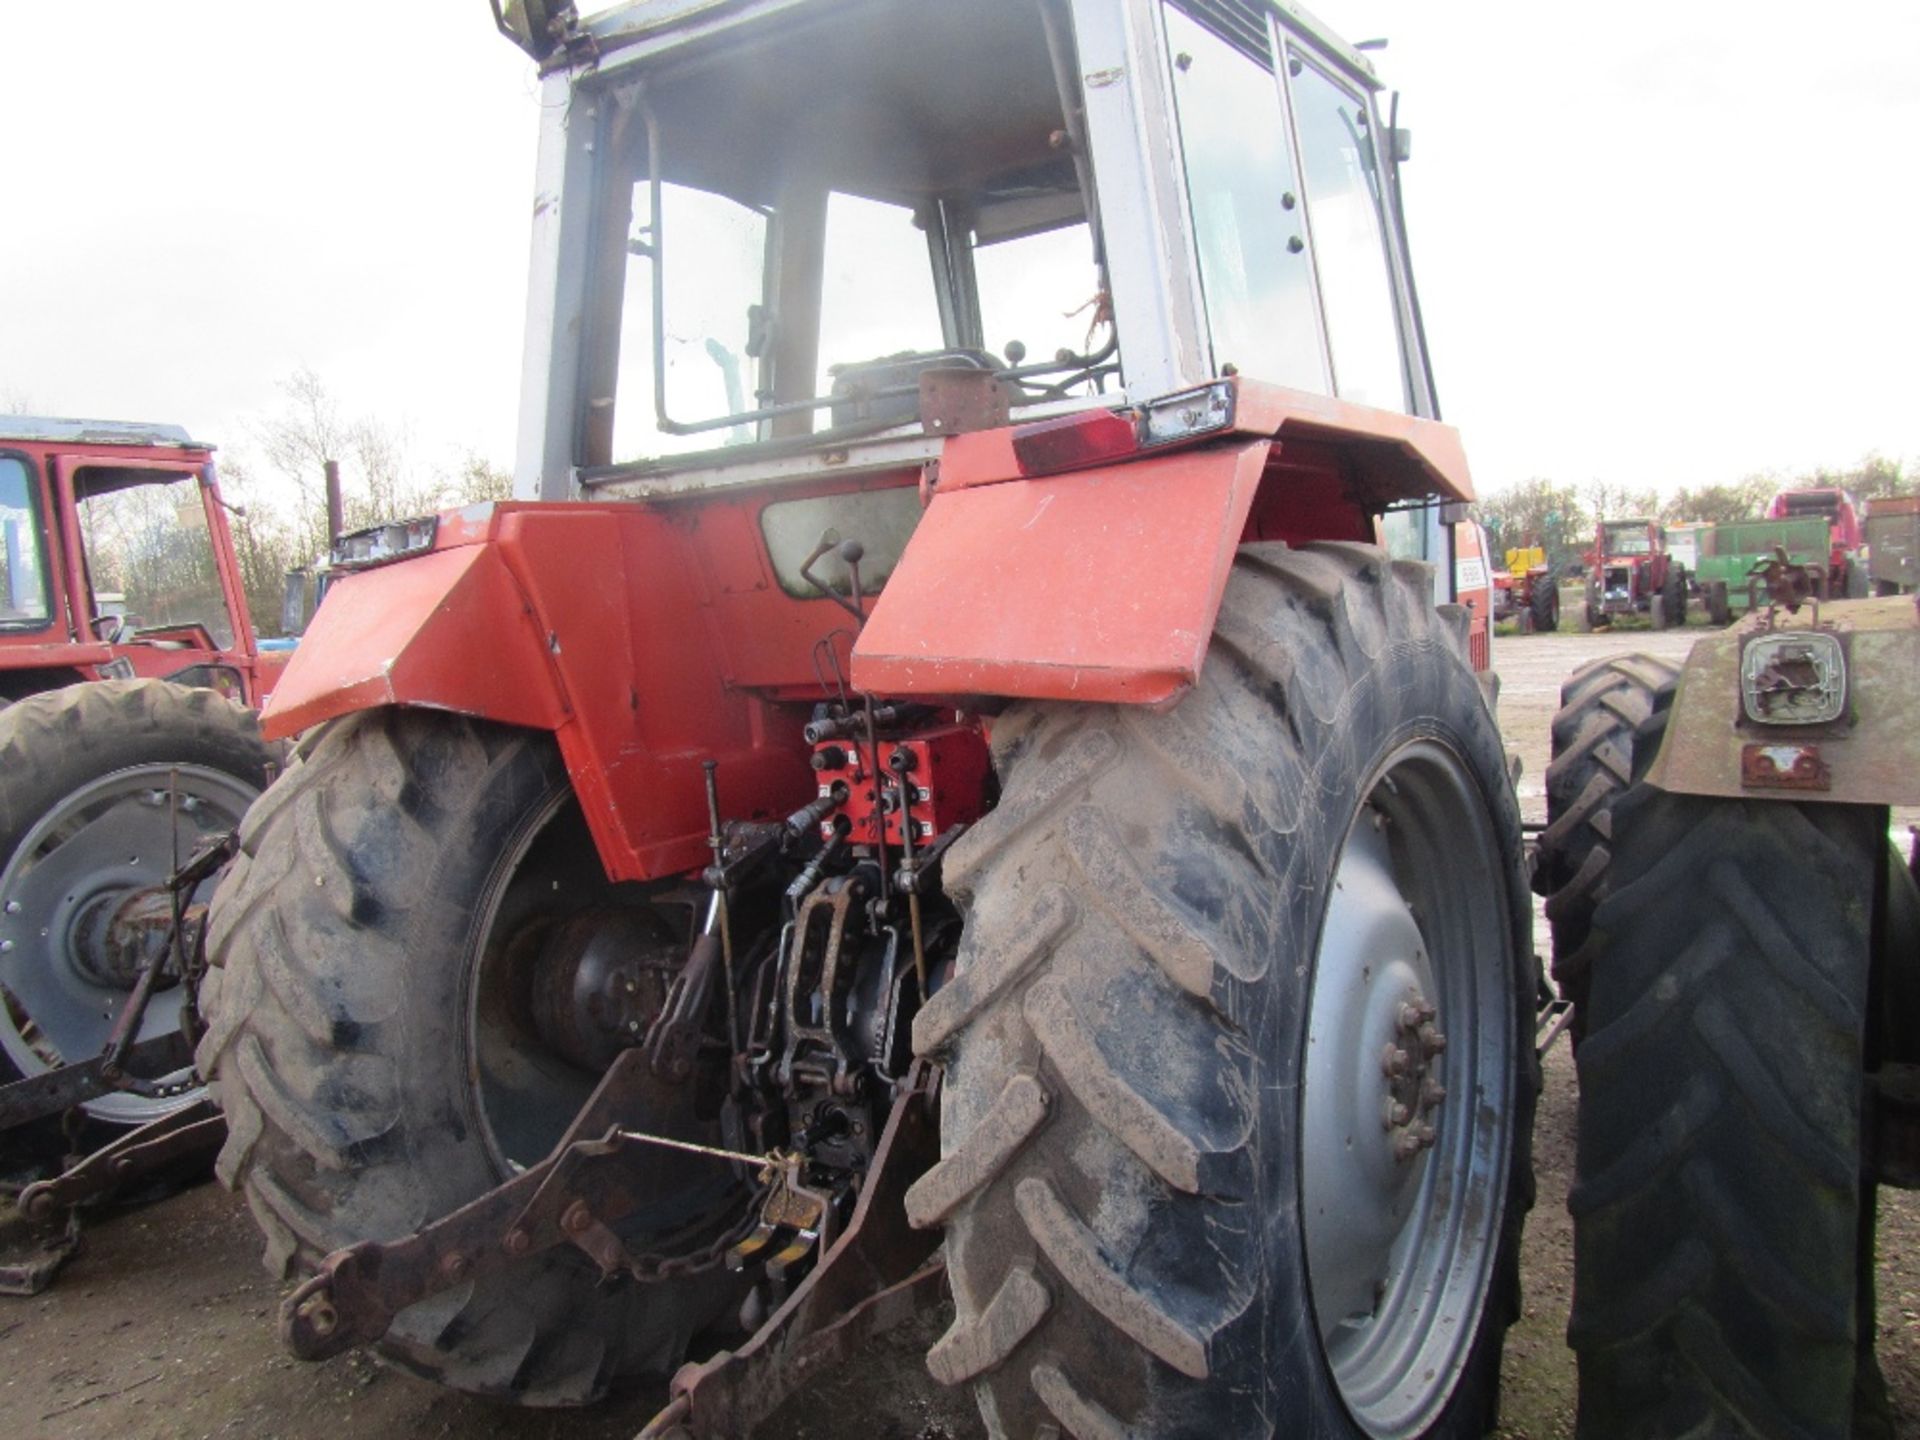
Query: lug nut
{"points": [[1405, 1146], [1432, 1092], [1432, 1039], [1415, 1012], [1394, 1061], [1397, 1114]]}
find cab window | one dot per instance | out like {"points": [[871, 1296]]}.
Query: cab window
{"points": [[23, 578], [150, 556], [1343, 188], [1248, 224]]}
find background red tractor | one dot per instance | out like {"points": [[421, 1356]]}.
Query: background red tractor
{"points": [[1629, 572], [1846, 563], [918, 770], [128, 673]]}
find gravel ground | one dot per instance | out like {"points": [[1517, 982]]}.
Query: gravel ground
{"points": [[163, 1327]]}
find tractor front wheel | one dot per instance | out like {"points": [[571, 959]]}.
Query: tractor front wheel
{"points": [[390, 1038], [1236, 1126]]}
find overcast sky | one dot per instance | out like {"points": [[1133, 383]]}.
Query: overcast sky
{"points": [[1658, 243]]}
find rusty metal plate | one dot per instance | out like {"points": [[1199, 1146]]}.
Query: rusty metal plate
{"points": [[1784, 767], [955, 400]]}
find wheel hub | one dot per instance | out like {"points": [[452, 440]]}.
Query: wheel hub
{"points": [[83, 905], [1413, 1092], [1367, 1125], [114, 933], [600, 981]]}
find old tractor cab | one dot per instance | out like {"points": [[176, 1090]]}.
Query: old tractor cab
{"points": [[118, 561], [955, 740]]}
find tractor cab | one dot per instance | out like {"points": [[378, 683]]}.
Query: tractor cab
{"points": [[822, 238], [117, 561]]}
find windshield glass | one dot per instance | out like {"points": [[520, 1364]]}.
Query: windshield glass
{"points": [[793, 244], [1823, 503], [23, 584], [150, 560], [1628, 539]]}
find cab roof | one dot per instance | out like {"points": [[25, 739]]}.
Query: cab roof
{"points": [[131, 433]]}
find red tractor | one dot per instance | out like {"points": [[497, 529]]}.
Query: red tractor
{"points": [[1846, 560], [912, 768], [1526, 591], [1629, 572], [128, 677]]}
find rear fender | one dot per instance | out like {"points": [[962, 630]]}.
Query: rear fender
{"points": [[448, 630], [574, 618], [1103, 584]]}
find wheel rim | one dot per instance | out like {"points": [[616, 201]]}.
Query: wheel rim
{"points": [[1402, 1227], [99, 847], [524, 1093]]}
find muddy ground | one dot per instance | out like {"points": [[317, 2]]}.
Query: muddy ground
{"points": [[163, 1327]]}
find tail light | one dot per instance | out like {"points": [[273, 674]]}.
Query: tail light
{"points": [[1096, 437]]}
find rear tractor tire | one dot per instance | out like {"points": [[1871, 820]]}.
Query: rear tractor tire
{"points": [[1612, 714], [103, 787], [375, 950], [1722, 1287], [1207, 1170]]}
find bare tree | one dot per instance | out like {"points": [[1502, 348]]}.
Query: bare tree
{"points": [[1538, 512]]}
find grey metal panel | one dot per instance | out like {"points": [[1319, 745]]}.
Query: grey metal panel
{"points": [[625, 33], [1136, 162], [95, 432], [550, 399]]}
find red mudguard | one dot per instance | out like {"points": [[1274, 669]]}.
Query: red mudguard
{"points": [[1103, 584], [583, 619]]}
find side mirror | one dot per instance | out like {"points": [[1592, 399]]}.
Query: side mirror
{"points": [[536, 26], [1400, 144], [1452, 512]]}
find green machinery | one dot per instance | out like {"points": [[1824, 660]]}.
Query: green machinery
{"points": [[1730, 553]]}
